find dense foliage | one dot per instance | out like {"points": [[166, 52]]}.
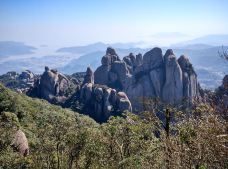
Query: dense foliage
{"points": [[60, 138]]}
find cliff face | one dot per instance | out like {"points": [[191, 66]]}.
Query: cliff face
{"points": [[154, 75], [100, 101]]}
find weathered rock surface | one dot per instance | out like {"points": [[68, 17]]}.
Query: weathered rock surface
{"points": [[173, 87], [20, 143], [19, 82], [113, 71], [100, 102], [151, 76], [89, 77], [54, 86]]}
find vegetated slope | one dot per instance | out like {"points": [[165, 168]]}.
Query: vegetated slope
{"points": [[60, 138], [44, 125]]}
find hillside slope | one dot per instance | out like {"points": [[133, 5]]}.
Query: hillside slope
{"points": [[60, 138]]}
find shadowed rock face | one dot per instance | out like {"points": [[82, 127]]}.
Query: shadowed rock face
{"points": [[113, 71], [89, 77], [100, 102], [150, 76], [225, 82], [53, 85], [190, 84], [173, 87]]}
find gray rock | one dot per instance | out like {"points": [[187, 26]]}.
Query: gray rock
{"points": [[101, 75], [139, 59], [100, 102], [150, 76], [173, 87], [190, 84], [157, 80], [27, 75], [153, 59], [112, 77], [111, 51], [123, 102], [105, 61], [86, 92], [89, 77], [53, 86], [20, 143], [120, 68]]}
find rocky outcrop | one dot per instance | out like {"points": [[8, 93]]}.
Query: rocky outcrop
{"points": [[113, 71], [190, 84], [151, 76], [173, 87], [100, 102], [53, 85], [19, 82], [89, 77], [20, 143], [27, 75], [102, 75]]}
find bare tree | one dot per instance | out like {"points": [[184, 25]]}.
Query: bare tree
{"points": [[223, 54]]}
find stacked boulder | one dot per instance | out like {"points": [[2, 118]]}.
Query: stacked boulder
{"points": [[113, 72], [20, 143], [100, 101], [165, 77], [19, 82], [51, 86]]}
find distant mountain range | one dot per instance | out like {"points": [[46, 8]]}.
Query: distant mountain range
{"points": [[99, 46], [9, 48], [201, 51], [212, 40]]}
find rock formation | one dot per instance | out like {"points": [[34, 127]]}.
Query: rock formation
{"points": [[151, 76], [19, 82], [27, 75], [20, 143], [100, 101], [89, 77], [173, 87], [113, 71], [53, 85]]}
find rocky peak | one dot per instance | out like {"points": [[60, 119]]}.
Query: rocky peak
{"points": [[153, 59], [173, 86], [168, 53], [151, 76], [89, 77], [139, 59], [111, 51], [186, 65], [46, 68], [51, 86]]}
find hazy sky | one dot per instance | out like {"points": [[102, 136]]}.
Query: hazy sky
{"points": [[73, 22]]}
